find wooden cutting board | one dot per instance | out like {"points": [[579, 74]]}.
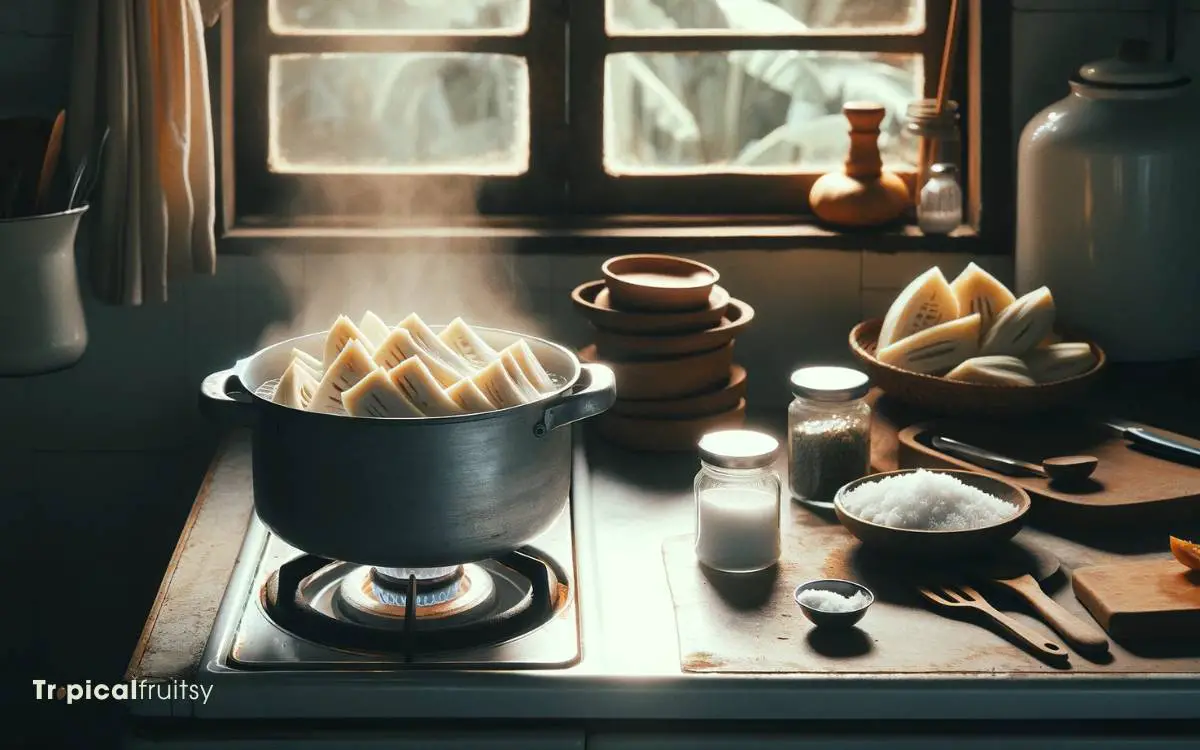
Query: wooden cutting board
{"points": [[1148, 599], [1128, 485]]}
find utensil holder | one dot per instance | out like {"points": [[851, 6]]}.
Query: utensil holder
{"points": [[42, 327]]}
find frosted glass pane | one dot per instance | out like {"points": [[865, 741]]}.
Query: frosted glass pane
{"points": [[399, 16], [447, 113], [749, 111], [777, 17]]}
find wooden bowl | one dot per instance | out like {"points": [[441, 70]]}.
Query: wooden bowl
{"points": [[705, 404], [592, 299], [667, 378], [624, 346], [935, 544], [666, 435], [951, 397], [658, 283]]}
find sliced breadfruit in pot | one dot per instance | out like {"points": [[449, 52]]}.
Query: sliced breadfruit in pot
{"points": [[342, 333], [529, 391], [927, 301], [530, 366], [463, 340], [378, 397], [400, 345], [998, 369], [1021, 326], [373, 327], [937, 349], [1056, 362], [428, 340], [467, 395], [977, 291], [498, 386], [297, 386], [422, 389], [308, 362], [349, 367]]}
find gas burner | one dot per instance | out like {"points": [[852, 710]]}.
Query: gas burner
{"points": [[379, 596], [407, 612]]}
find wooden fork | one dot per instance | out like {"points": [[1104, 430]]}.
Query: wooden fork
{"points": [[965, 596]]}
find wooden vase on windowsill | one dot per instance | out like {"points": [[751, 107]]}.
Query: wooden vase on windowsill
{"points": [[862, 193]]}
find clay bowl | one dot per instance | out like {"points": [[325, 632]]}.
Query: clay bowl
{"points": [[624, 346], [668, 378], [666, 435], [658, 283], [938, 544], [592, 300], [716, 401], [949, 397]]}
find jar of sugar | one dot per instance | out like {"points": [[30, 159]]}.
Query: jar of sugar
{"points": [[829, 432], [737, 501]]}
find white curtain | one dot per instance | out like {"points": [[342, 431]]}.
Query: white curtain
{"points": [[140, 69]]}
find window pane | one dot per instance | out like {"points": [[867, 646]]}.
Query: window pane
{"points": [[399, 16], [447, 113], [776, 17], [751, 111]]}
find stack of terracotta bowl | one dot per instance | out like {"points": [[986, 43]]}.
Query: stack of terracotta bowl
{"points": [[666, 328]]}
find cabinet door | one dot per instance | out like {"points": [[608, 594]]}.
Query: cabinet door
{"points": [[719, 741]]}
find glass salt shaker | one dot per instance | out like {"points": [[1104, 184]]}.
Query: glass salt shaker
{"points": [[931, 137], [738, 501], [829, 432], [939, 206]]}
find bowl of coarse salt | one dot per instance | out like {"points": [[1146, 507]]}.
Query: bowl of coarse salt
{"points": [[931, 512], [832, 602]]}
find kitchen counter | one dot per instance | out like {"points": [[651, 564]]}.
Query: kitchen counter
{"points": [[630, 668]]}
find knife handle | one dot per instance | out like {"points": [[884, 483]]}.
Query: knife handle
{"points": [[1162, 445]]}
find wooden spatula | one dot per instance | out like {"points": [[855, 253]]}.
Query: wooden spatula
{"points": [[50, 162]]}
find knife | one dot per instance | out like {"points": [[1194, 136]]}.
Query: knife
{"points": [[1154, 442]]}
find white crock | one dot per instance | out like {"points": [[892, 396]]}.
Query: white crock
{"points": [[1108, 207], [42, 328]]}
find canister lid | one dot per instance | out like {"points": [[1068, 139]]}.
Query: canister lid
{"points": [[830, 383], [1132, 68], [738, 449]]}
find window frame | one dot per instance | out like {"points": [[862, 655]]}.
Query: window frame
{"points": [[990, 171], [596, 192], [267, 196]]}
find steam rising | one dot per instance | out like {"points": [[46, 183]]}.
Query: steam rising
{"points": [[438, 280]]}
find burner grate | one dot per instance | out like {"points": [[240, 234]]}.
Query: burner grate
{"points": [[283, 599]]}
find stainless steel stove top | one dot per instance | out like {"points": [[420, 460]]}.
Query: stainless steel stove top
{"points": [[259, 642]]}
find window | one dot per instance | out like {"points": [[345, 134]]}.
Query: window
{"points": [[404, 108]]}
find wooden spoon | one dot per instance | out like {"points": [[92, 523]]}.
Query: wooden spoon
{"points": [[1056, 469]]}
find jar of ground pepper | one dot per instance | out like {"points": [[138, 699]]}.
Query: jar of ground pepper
{"points": [[829, 432]]}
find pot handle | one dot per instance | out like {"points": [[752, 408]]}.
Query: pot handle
{"points": [[225, 401], [597, 395]]}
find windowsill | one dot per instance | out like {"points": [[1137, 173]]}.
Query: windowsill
{"points": [[589, 234]]}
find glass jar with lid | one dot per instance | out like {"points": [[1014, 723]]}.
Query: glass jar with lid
{"points": [[934, 138], [829, 432], [738, 501]]}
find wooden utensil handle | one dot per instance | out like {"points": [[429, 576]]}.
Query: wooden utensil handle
{"points": [[1074, 630], [1035, 640]]}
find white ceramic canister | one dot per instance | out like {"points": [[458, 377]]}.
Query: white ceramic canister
{"points": [[1108, 208], [42, 328]]}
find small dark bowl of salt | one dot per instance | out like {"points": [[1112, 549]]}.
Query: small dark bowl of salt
{"points": [[833, 603]]}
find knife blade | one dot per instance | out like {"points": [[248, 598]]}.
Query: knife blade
{"points": [[1154, 442]]}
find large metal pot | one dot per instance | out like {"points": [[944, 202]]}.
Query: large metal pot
{"points": [[417, 492]]}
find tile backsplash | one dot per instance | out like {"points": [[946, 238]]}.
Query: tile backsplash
{"points": [[101, 462]]}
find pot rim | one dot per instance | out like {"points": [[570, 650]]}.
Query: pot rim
{"points": [[241, 365]]}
